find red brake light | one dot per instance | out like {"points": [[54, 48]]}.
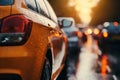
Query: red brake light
{"points": [[15, 23], [15, 29], [75, 33], [115, 24]]}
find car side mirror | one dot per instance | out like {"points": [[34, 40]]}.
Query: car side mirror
{"points": [[66, 23]]}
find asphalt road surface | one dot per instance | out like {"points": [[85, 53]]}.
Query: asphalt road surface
{"points": [[91, 66]]}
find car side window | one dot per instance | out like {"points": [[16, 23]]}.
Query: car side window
{"points": [[42, 8], [51, 11], [38, 6], [31, 4]]}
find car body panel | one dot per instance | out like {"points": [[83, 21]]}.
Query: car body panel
{"points": [[27, 60], [4, 11]]}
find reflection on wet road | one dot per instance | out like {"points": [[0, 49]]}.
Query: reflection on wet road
{"points": [[91, 66], [87, 57]]}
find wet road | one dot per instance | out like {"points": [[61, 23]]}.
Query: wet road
{"points": [[92, 64]]}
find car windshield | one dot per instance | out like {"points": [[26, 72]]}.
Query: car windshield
{"points": [[6, 2]]}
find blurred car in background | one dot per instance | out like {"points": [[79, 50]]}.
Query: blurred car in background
{"points": [[32, 45], [109, 43], [74, 42], [72, 32]]}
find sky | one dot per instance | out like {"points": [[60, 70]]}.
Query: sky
{"points": [[106, 10]]}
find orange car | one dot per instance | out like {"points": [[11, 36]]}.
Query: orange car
{"points": [[32, 46]]}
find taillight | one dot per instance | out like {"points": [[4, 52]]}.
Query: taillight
{"points": [[77, 33], [74, 33], [105, 33], [14, 30], [88, 31]]}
